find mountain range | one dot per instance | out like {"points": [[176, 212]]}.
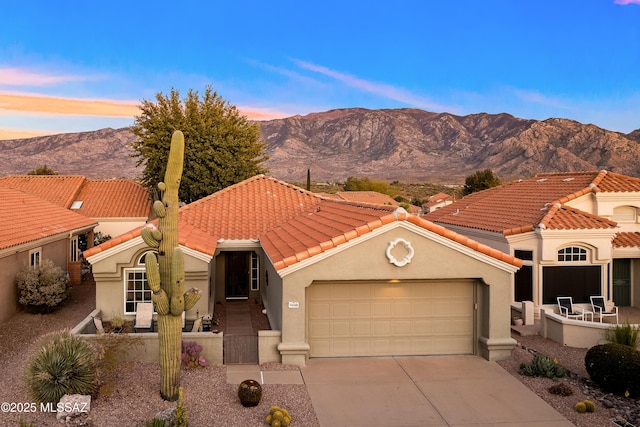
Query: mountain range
{"points": [[407, 145]]}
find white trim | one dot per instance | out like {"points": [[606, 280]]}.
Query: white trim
{"points": [[196, 254], [494, 262], [115, 249], [407, 258]]}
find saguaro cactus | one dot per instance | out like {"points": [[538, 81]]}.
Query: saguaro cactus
{"points": [[165, 274]]}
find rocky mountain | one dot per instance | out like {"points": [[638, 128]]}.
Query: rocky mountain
{"points": [[408, 145]]}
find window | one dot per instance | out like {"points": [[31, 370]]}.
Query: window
{"points": [[35, 256], [572, 253], [523, 255], [74, 249], [136, 287], [255, 272]]}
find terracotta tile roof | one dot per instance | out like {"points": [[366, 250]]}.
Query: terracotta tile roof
{"points": [[626, 240], [26, 218], [522, 205], [291, 224], [58, 189], [101, 198], [114, 198]]}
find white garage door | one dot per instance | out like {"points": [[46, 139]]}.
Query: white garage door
{"points": [[390, 319]]}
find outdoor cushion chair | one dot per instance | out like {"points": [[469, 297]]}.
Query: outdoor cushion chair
{"points": [[565, 304], [599, 307], [196, 325], [144, 316], [98, 324]]}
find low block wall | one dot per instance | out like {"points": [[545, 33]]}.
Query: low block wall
{"points": [[148, 347], [570, 332], [212, 344]]}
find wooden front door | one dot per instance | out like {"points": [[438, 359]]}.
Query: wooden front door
{"points": [[237, 275]]}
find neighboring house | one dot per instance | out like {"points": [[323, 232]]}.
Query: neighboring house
{"points": [[337, 278], [118, 205], [436, 202], [578, 234], [32, 230], [372, 197]]}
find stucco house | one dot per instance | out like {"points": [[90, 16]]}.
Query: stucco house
{"points": [[337, 278], [578, 234], [32, 230], [118, 205]]}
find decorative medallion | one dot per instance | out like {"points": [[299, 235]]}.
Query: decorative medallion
{"points": [[407, 258]]}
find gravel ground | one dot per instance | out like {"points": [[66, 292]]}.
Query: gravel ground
{"points": [[210, 401]]}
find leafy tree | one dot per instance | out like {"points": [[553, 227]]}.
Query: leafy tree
{"points": [[366, 184], [481, 180], [42, 170], [223, 147]]}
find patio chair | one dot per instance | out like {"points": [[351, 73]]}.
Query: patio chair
{"points": [[565, 304], [98, 324], [144, 317], [599, 307], [196, 325]]}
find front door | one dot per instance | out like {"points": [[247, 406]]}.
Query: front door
{"points": [[237, 275], [622, 281]]}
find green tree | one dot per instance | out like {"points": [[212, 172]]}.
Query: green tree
{"points": [[42, 170], [223, 147], [366, 184], [481, 180]]}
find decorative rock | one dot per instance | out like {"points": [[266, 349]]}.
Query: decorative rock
{"points": [[168, 415], [72, 405]]}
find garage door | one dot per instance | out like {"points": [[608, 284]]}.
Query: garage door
{"points": [[390, 319]]}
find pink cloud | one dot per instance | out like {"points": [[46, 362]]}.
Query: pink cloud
{"points": [[12, 101], [23, 77], [626, 2]]}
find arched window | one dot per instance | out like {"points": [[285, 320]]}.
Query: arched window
{"points": [[136, 288], [572, 254]]}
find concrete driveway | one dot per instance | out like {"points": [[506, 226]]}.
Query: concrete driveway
{"points": [[422, 391]]}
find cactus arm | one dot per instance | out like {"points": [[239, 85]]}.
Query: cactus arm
{"points": [[149, 239], [159, 297], [159, 209]]}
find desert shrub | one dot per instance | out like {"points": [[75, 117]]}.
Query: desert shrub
{"points": [[44, 288], [561, 389], [191, 355], [181, 412], [156, 422], [110, 350], [615, 368], [64, 365], [626, 334], [542, 366]]}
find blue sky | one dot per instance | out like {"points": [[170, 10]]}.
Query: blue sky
{"points": [[80, 65]]}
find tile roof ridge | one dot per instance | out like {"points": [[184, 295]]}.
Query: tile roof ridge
{"points": [[244, 183], [544, 222], [359, 204], [463, 240]]}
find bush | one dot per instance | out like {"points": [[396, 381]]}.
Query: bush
{"points": [[42, 289], [615, 368], [624, 334], [561, 389], [191, 355], [110, 350], [64, 365], [542, 366]]}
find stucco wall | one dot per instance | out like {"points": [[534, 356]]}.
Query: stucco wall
{"points": [[115, 227], [14, 260], [366, 260], [109, 276]]}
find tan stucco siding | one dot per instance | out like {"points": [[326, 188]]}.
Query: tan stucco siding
{"points": [[16, 260], [366, 260], [109, 276]]}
